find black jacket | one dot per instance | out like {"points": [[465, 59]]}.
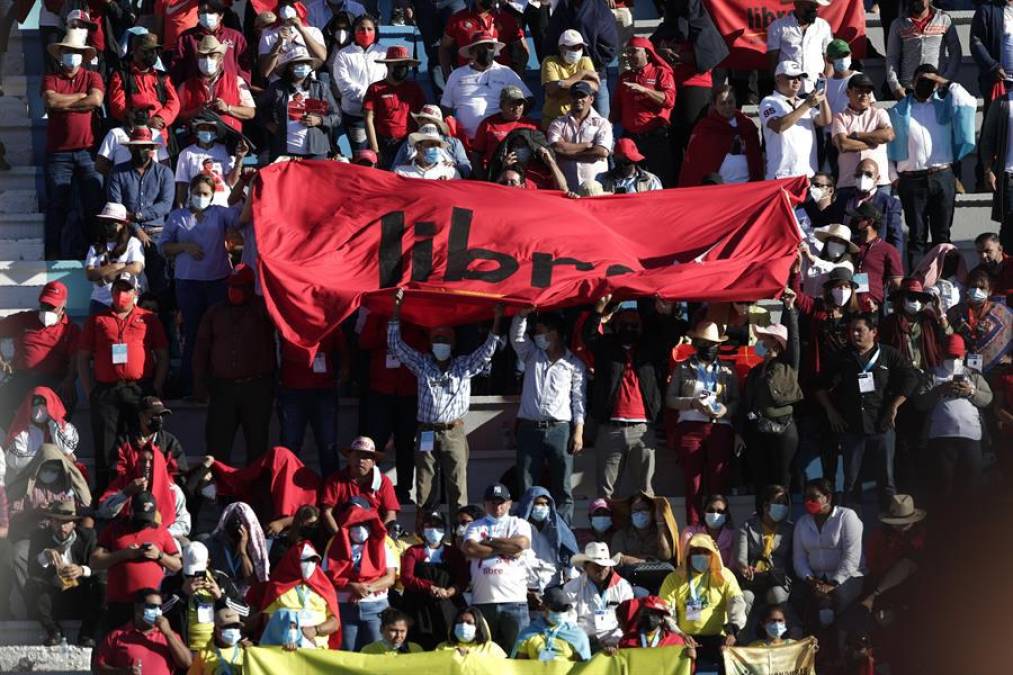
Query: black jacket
{"points": [[650, 359], [272, 107], [41, 539], [892, 373]]}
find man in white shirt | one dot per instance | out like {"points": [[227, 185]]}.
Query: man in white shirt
{"points": [[472, 91], [789, 124], [552, 399], [802, 37], [596, 594], [498, 547], [429, 162], [290, 33], [582, 139]]}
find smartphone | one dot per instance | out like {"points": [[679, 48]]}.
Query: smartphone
{"points": [[821, 84]]}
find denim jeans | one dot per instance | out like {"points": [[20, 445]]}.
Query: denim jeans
{"points": [[506, 621], [193, 298], [538, 446], [602, 100], [319, 409], [881, 448], [62, 170], [360, 623]]}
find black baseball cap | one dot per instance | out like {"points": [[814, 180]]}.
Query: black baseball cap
{"points": [[866, 210], [860, 81], [582, 87], [497, 492], [143, 507], [155, 405], [556, 600]]}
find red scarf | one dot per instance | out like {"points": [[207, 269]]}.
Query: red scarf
{"points": [[291, 483], [23, 417], [628, 613], [129, 468], [372, 566], [652, 54], [895, 330], [711, 140]]}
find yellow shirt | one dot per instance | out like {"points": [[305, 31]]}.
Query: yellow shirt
{"points": [[218, 661], [314, 613], [380, 648], [532, 648], [553, 70], [713, 598], [200, 621], [489, 648]]}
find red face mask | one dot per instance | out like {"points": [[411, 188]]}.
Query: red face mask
{"points": [[238, 295], [123, 300], [813, 506], [364, 37]]}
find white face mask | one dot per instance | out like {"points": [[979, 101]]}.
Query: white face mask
{"points": [[840, 296], [208, 20], [461, 529], [72, 60], [541, 341], [817, 193], [209, 491], [230, 636], [571, 56], [539, 512], [976, 295], [865, 184], [207, 65], [48, 476], [842, 65], [48, 318], [835, 249], [912, 306], [40, 415], [308, 567], [359, 534], [200, 202], [341, 36], [441, 350]]}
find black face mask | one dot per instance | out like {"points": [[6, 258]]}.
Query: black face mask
{"points": [[706, 353], [399, 73], [806, 14], [149, 60], [155, 424], [487, 5], [916, 8], [140, 157], [483, 56], [109, 231], [650, 621], [924, 89]]}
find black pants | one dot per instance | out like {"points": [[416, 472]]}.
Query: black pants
{"points": [[1006, 229], [537, 20], [958, 466], [690, 104], [770, 457], [928, 202], [245, 404], [387, 415], [83, 602], [114, 411], [657, 151]]}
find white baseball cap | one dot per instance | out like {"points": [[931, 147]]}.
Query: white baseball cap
{"points": [[195, 559], [571, 38], [789, 68]]}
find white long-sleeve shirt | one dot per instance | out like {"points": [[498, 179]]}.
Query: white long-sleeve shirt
{"points": [[353, 69], [25, 445], [553, 390], [835, 552]]}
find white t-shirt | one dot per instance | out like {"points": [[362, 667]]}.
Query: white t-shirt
{"points": [[1007, 39], [498, 579], [102, 291], [214, 161], [806, 48], [473, 94], [793, 151], [112, 147], [270, 36], [295, 129]]}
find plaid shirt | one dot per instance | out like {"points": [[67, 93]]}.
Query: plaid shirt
{"points": [[444, 396]]}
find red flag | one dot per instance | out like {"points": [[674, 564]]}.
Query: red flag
{"points": [[743, 24], [331, 236]]}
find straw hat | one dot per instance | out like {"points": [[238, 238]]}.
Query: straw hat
{"points": [[836, 231], [364, 445], [481, 38], [902, 511], [209, 44], [707, 330], [299, 55], [398, 54], [431, 113], [777, 331], [428, 132], [72, 41], [596, 552]]}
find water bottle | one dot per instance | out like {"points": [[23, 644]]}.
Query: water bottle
{"points": [[64, 652]]}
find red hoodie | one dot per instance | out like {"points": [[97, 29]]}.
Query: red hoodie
{"points": [[23, 416], [129, 468], [338, 557], [291, 483]]}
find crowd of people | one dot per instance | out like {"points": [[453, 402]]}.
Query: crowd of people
{"points": [[886, 351]]}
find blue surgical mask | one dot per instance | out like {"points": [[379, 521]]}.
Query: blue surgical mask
{"points": [[301, 70], [641, 519], [601, 523], [72, 59], [714, 520], [778, 512], [760, 348], [151, 615], [464, 632], [206, 137], [441, 350], [842, 64], [700, 562], [358, 533], [555, 618], [433, 536], [231, 636], [775, 629], [431, 155], [539, 512], [541, 341], [976, 295]]}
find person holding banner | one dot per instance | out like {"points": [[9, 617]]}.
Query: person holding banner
{"points": [[773, 628], [469, 634], [394, 625], [800, 36]]}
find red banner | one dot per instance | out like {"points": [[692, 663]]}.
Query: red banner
{"points": [[332, 236], [743, 24]]}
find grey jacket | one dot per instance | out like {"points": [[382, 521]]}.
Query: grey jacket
{"points": [[748, 546], [907, 48], [272, 108]]}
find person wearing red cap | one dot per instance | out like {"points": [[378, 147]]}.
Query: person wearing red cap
{"points": [[388, 104], [44, 344], [131, 358], [643, 103], [485, 16], [360, 478], [955, 403], [648, 622], [628, 174], [234, 361]]}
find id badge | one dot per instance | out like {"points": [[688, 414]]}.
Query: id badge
{"points": [[866, 383], [205, 613], [693, 612], [392, 361], [320, 363], [862, 279], [601, 621], [119, 353], [427, 441], [547, 655], [975, 362]]}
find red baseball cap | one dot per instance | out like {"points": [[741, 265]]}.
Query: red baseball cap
{"points": [[625, 147], [54, 293], [365, 155], [955, 347]]}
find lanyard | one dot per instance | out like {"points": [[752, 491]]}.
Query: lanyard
{"points": [[654, 640], [861, 260], [227, 664], [708, 376], [872, 362], [694, 594]]}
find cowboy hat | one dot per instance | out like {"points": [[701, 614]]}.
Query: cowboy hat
{"points": [[63, 510], [481, 38], [428, 132], [74, 42], [209, 44], [707, 330], [431, 113], [777, 331], [902, 511], [364, 445], [912, 286], [596, 552], [299, 55], [398, 54], [140, 136], [836, 231]]}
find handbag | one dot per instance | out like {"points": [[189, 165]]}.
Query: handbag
{"points": [[765, 425]]}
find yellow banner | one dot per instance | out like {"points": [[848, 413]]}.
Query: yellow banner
{"points": [[275, 661], [798, 658]]}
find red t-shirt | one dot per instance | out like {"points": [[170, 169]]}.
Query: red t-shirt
{"points": [[126, 578], [71, 130], [880, 261], [140, 331], [391, 105], [503, 26], [180, 16], [638, 112], [125, 646], [491, 132], [629, 400], [339, 488], [45, 351], [299, 371]]}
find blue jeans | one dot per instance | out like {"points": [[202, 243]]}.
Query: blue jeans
{"points": [[360, 623], [319, 409], [355, 129], [537, 446], [506, 621], [193, 299], [881, 449], [62, 169], [602, 101]]}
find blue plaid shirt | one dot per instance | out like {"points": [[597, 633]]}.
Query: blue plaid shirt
{"points": [[444, 396]]}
